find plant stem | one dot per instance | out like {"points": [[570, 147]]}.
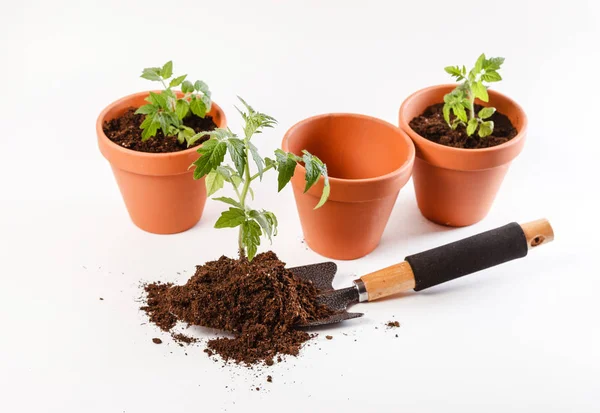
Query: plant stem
{"points": [[471, 102], [256, 175], [242, 196]]}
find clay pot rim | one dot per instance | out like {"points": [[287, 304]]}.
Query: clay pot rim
{"points": [[404, 124], [130, 152], [406, 166]]}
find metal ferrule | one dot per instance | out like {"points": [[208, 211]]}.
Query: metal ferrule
{"points": [[363, 295]]}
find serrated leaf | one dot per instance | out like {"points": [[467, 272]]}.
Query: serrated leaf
{"points": [[231, 218], [214, 182], [479, 64], [472, 126], [150, 130], [177, 81], [212, 155], [480, 91], [286, 166], [146, 109], [446, 112], [151, 73], [264, 223], [453, 71], [491, 76], [251, 233], [486, 112], [493, 63], [486, 128], [229, 201], [236, 180], [325, 193], [237, 151], [167, 70], [187, 87], [200, 86], [459, 112], [181, 108], [258, 160], [158, 99], [197, 107]]}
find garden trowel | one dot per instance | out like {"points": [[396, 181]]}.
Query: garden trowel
{"points": [[425, 269]]}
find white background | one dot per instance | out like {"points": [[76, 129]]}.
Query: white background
{"points": [[520, 337]]}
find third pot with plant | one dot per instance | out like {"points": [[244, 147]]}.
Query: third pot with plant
{"points": [[151, 140], [466, 137], [368, 160]]}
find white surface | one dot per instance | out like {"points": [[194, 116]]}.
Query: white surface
{"points": [[521, 337]]}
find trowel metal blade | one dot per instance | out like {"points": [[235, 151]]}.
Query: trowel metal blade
{"points": [[321, 275]]}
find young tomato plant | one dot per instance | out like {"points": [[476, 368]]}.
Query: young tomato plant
{"points": [[166, 111], [462, 99], [252, 223]]}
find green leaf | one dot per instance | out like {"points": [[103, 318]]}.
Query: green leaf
{"points": [[158, 99], [454, 71], [258, 160], [459, 112], [200, 86], [177, 81], [479, 64], [152, 73], [493, 63], [212, 155], [214, 182], [231, 218], [150, 130], [486, 128], [491, 76], [237, 151], [182, 108], [286, 165], [325, 193], [187, 87], [198, 107], [446, 111], [167, 70], [193, 139], [251, 237], [263, 221], [486, 112], [480, 91], [146, 109], [229, 201], [472, 126]]}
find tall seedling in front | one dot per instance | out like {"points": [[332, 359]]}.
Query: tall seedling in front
{"points": [[462, 99], [252, 223]]}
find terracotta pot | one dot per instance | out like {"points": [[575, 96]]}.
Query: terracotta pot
{"points": [[456, 187], [158, 189], [368, 160]]}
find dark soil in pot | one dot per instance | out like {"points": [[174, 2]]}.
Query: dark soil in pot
{"points": [[125, 131], [431, 125], [258, 302]]}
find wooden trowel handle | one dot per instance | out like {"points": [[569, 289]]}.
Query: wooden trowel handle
{"points": [[456, 259]]}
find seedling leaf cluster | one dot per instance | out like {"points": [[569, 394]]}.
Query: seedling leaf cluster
{"points": [[252, 223], [166, 111], [462, 99]]}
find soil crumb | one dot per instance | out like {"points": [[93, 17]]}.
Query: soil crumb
{"points": [[125, 131], [157, 340], [432, 125], [270, 379], [183, 339], [329, 337], [257, 302], [392, 324]]}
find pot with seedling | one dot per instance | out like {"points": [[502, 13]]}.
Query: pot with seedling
{"points": [[466, 137], [151, 139]]}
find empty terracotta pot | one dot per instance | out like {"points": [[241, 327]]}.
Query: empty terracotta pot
{"points": [[453, 186], [158, 189], [368, 161]]}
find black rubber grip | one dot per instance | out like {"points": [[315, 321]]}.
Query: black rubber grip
{"points": [[467, 256]]}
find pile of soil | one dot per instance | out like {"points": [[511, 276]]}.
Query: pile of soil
{"points": [[259, 302], [125, 131], [431, 125]]}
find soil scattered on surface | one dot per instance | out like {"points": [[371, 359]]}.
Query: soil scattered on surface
{"points": [[329, 337], [393, 324], [270, 379], [258, 302], [183, 339], [157, 340], [431, 125], [125, 131]]}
